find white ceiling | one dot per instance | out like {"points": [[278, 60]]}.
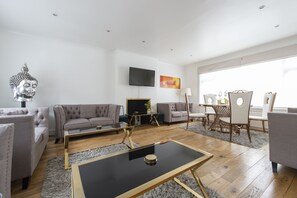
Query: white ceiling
{"points": [[195, 29]]}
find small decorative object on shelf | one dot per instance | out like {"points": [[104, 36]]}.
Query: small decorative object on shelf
{"points": [[23, 86], [150, 159], [148, 106], [99, 127]]}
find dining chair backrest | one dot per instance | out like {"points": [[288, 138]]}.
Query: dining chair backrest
{"points": [[187, 104], [210, 98], [268, 103], [240, 102]]}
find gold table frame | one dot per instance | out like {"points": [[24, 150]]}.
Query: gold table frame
{"points": [[78, 192], [153, 117], [128, 130]]}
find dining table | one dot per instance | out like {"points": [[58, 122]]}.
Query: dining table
{"points": [[221, 110]]}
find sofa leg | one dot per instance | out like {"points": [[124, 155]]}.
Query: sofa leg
{"points": [[274, 167], [25, 183], [57, 140]]}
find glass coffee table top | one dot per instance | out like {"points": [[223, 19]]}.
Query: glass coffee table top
{"points": [[113, 176], [110, 127]]}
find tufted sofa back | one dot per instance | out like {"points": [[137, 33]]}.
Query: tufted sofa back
{"points": [[71, 111], [102, 110], [39, 114], [85, 111]]}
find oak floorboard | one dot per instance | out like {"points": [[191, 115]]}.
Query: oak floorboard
{"points": [[234, 171]]}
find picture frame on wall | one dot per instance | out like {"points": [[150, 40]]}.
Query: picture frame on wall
{"points": [[170, 82]]}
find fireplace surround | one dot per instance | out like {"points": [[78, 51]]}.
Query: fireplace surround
{"points": [[136, 105]]}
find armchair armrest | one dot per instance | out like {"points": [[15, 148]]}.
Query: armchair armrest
{"points": [[22, 145], [283, 138], [114, 112], [165, 109], [60, 120]]}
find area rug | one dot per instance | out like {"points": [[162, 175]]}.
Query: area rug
{"points": [[57, 182], [259, 139]]}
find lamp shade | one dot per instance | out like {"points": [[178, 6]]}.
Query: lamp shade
{"points": [[187, 91]]}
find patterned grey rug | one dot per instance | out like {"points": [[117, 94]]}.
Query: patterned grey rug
{"points": [[259, 139], [57, 182]]}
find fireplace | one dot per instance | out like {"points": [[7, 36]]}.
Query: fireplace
{"points": [[136, 105]]}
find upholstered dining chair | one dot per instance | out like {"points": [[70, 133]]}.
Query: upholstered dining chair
{"points": [[6, 147], [240, 102], [209, 99], [268, 103], [193, 116]]}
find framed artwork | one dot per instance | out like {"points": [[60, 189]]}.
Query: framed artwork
{"points": [[169, 82]]}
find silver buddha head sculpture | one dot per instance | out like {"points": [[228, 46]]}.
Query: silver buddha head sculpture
{"points": [[23, 85]]}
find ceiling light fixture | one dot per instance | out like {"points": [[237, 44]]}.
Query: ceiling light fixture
{"points": [[107, 30], [55, 14], [143, 41], [191, 55], [171, 49], [262, 7], [276, 26]]}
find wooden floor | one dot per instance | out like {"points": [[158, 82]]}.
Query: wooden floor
{"points": [[234, 171]]}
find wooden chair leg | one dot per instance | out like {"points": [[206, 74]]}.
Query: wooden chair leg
{"points": [[230, 132], [204, 122], [263, 125], [248, 132], [207, 119], [188, 123]]}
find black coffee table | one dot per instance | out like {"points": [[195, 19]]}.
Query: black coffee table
{"points": [[125, 174]]}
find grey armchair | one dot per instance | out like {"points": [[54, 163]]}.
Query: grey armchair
{"points": [[30, 139], [283, 138], [6, 146]]}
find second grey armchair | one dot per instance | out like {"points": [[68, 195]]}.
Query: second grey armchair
{"points": [[6, 147], [283, 138]]}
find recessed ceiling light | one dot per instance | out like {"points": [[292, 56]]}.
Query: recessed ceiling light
{"points": [[143, 41], [262, 7], [191, 55], [55, 14], [171, 49], [107, 30], [276, 26]]}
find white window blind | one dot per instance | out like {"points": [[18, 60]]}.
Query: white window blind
{"points": [[276, 76]]}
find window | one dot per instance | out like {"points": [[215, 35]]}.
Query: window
{"points": [[276, 76]]}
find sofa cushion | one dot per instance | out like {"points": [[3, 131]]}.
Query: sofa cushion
{"points": [[172, 106], [39, 134], [102, 111], [180, 106], [72, 111], [101, 121], [77, 123], [176, 114], [184, 113], [87, 111]]}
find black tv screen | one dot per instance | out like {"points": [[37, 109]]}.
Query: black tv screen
{"points": [[141, 77]]}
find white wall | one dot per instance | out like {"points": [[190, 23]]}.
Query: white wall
{"points": [[124, 60], [72, 73]]}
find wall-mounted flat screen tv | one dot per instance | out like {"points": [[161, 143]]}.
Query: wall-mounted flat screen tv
{"points": [[141, 77]]}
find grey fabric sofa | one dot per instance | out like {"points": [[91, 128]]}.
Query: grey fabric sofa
{"points": [[173, 111], [6, 146], [31, 133], [283, 138], [84, 115]]}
